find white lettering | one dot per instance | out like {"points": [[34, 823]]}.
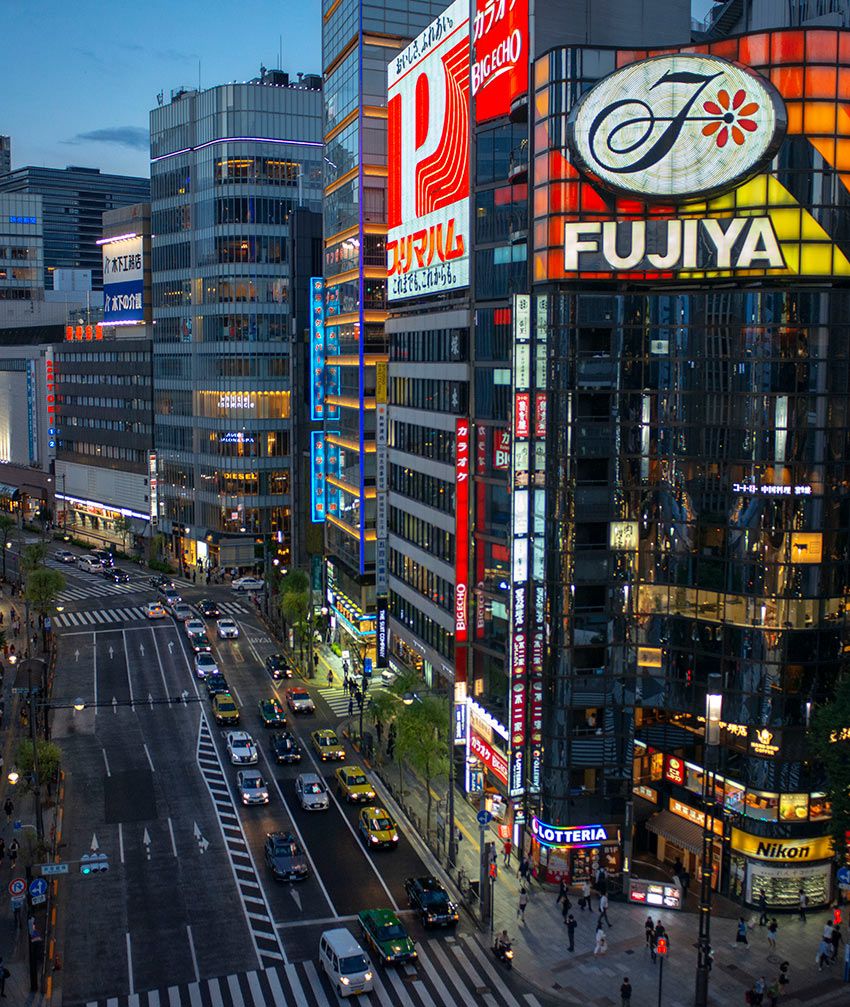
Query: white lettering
{"points": [[689, 255], [674, 247], [724, 240], [573, 243], [761, 244], [638, 244], [503, 58]]}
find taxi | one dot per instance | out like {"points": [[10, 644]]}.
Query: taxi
{"points": [[377, 829], [386, 935], [353, 786], [271, 713], [327, 745], [224, 708]]}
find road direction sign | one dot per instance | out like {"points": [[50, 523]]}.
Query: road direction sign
{"points": [[844, 875], [48, 869], [38, 886], [484, 818], [17, 886]]}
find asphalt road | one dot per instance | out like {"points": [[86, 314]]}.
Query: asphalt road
{"points": [[188, 896]]}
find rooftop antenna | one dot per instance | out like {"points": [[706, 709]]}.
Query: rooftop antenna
{"points": [[160, 98], [280, 52], [199, 75]]}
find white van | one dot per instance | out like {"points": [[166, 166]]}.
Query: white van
{"points": [[345, 963], [90, 564]]}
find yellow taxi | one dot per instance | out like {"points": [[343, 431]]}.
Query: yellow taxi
{"points": [[327, 745], [224, 708], [377, 829], [353, 786]]}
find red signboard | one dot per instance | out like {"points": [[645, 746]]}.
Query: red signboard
{"points": [[674, 769], [501, 449], [461, 545], [535, 721], [494, 760], [540, 414], [500, 67], [522, 415]]}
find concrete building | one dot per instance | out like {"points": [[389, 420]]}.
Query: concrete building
{"points": [[21, 251], [236, 183], [5, 155]]}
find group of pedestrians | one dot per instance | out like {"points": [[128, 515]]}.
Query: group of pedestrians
{"points": [[584, 902], [830, 942]]}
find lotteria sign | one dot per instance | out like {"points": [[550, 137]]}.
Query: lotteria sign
{"points": [[574, 835]]}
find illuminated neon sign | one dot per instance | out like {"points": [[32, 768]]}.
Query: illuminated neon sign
{"points": [[561, 836]]}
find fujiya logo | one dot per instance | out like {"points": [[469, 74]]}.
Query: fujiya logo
{"points": [[677, 127]]}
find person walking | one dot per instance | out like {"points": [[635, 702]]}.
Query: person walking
{"points": [[8, 807], [350, 706], [759, 986], [524, 868], [649, 928], [566, 906], [762, 909], [571, 931], [330, 674], [585, 894], [626, 993], [523, 902], [563, 891], [772, 930], [772, 993], [804, 901], [741, 937], [835, 939], [784, 978], [14, 846], [601, 945], [507, 846], [824, 955], [603, 909]]}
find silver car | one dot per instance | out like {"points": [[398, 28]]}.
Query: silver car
{"points": [[205, 665], [227, 629], [312, 792], [241, 749], [252, 787]]}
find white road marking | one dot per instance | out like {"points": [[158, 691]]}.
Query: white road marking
{"points": [[161, 668], [150, 760], [316, 984], [256, 989], [195, 995], [492, 975], [174, 996], [294, 984], [531, 999], [130, 964], [173, 844], [129, 676], [94, 656], [189, 933], [120, 843], [106, 762], [235, 992], [436, 979], [215, 993], [396, 983]]}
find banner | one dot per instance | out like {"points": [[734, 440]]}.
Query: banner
{"points": [[123, 281]]}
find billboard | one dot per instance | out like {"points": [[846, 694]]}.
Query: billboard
{"points": [[677, 166], [324, 343], [462, 472], [499, 72], [317, 481], [123, 280], [428, 160]]}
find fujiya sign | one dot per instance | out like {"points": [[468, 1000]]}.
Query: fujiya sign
{"points": [[677, 127], [556, 835]]}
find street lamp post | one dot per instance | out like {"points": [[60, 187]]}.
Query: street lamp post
{"points": [[713, 711]]}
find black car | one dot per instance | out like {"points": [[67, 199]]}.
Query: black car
{"points": [[208, 608], [285, 747], [161, 582], [285, 857], [428, 897], [278, 666], [116, 576], [216, 683], [103, 556]]}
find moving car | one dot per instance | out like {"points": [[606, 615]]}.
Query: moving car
{"points": [[205, 665], [241, 748], [170, 596], [208, 608], [285, 747], [153, 610], [116, 576], [227, 629], [65, 556], [344, 963], [285, 857], [251, 786], [200, 642], [225, 709], [160, 581], [298, 700], [89, 564], [428, 897], [312, 792], [271, 713], [194, 626], [353, 786], [278, 666], [387, 937], [327, 745], [183, 612], [248, 584], [377, 829], [103, 556], [216, 683]]}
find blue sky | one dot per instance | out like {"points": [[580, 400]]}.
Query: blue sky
{"points": [[80, 78]]}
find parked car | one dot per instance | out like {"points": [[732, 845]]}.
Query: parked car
{"points": [[248, 584]]}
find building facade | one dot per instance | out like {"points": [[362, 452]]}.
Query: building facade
{"points": [[74, 200], [21, 250], [233, 170], [5, 155]]}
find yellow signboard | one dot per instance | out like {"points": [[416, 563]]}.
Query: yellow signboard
{"points": [[782, 850], [806, 547], [649, 657], [381, 382]]}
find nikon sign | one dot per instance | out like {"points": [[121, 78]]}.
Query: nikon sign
{"points": [[782, 850]]}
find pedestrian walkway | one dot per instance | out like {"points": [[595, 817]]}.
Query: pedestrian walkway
{"points": [[103, 616], [97, 589], [451, 971]]}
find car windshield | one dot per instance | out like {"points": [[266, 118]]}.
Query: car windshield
{"points": [[381, 824], [354, 963], [391, 932], [356, 780], [300, 695], [328, 739], [227, 707], [284, 848], [435, 900], [253, 782], [313, 788]]}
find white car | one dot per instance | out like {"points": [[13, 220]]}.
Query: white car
{"points": [[241, 748], [153, 610], [252, 788], [312, 792], [194, 626], [227, 629], [90, 564], [205, 665], [248, 584], [65, 556], [182, 612]]}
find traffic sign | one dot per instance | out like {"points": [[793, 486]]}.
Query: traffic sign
{"points": [[17, 902], [17, 886], [367, 666], [20, 690], [48, 869], [38, 886], [17, 825], [37, 900], [844, 875], [484, 818]]}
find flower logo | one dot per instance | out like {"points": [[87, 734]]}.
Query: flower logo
{"points": [[731, 117]]}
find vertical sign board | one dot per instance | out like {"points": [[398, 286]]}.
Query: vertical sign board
{"points": [[332, 468], [381, 487], [153, 489], [49, 401], [500, 69], [461, 546], [123, 281], [428, 158], [520, 517], [317, 472], [381, 632], [317, 348], [32, 422]]}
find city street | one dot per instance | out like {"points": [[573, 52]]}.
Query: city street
{"points": [[188, 907]]}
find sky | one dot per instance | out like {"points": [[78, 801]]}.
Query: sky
{"points": [[81, 77]]}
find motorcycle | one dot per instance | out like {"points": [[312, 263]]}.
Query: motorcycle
{"points": [[505, 953]]}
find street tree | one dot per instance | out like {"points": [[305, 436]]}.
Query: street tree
{"points": [[42, 589], [49, 761], [34, 557], [122, 527], [295, 604], [7, 526], [383, 709], [423, 742], [830, 739]]}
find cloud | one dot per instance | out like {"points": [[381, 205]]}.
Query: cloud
{"points": [[134, 137]]}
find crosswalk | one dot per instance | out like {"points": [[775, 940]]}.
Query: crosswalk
{"points": [[97, 589], [104, 616], [337, 699], [451, 971]]}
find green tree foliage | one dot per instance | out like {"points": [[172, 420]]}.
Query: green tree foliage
{"points": [[831, 744], [383, 709], [49, 760], [34, 557], [295, 604], [122, 528], [42, 589], [7, 526], [422, 741]]}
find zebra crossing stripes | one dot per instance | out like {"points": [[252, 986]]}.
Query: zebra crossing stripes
{"points": [[96, 590], [436, 981], [337, 699], [100, 616]]}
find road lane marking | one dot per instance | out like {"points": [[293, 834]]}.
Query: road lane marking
{"points": [[256, 989], [241, 626], [153, 998], [532, 1000], [424, 995], [161, 668], [396, 983], [195, 995], [316, 984], [129, 676], [150, 760], [436, 979], [215, 993], [495, 980], [94, 655], [106, 762], [235, 992], [130, 964], [97, 617], [120, 843], [191, 941], [173, 844], [449, 969]]}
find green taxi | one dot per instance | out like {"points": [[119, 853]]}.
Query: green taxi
{"points": [[389, 940]]}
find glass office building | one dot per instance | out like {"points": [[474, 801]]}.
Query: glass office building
{"points": [[234, 169]]}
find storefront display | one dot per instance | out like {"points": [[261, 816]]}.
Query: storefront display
{"points": [[655, 893], [575, 852], [781, 867]]}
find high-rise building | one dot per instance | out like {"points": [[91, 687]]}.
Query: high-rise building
{"points": [[21, 249], [359, 37], [74, 201], [236, 186], [5, 155]]}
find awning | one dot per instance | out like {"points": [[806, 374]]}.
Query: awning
{"points": [[672, 827], [8, 491]]}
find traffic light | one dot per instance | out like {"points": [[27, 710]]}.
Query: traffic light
{"points": [[94, 863], [836, 916], [661, 946]]}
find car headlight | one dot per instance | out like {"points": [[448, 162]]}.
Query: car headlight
{"points": [[373, 839], [368, 977], [395, 839], [344, 980], [370, 794]]}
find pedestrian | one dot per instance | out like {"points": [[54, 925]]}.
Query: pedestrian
{"points": [[678, 867], [571, 931], [522, 870], [601, 945], [523, 902], [603, 909], [8, 807], [14, 846], [649, 927], [652, 938], [784, 978], [585, 894], [759, 986], [773, 993], [626, 993], [563, 890], [565, 908], [762, 909], [330, 671], [804, 901], [772, 930], [835, 939], [4, 975], [741, 937], [316, 664], [685, 878], [824, 955], [507, 846], [350, 706], [827, 931]]}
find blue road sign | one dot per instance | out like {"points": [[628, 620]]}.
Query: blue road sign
{"points": [[38, 886], [17, 825], [484, 818], [844, 875], [367, 666]]}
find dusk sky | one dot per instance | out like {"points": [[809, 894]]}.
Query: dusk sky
{"points": [[81, 78]]}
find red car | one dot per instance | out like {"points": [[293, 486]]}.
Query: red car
{"points": [[299, 701]]}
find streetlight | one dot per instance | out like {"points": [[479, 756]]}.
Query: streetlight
{"points": [[713, 712], [13, 776]]}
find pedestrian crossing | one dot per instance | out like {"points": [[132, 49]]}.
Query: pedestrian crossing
{"points": [[97, 589], [451, 971], [106, 616], [338, 699]]}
